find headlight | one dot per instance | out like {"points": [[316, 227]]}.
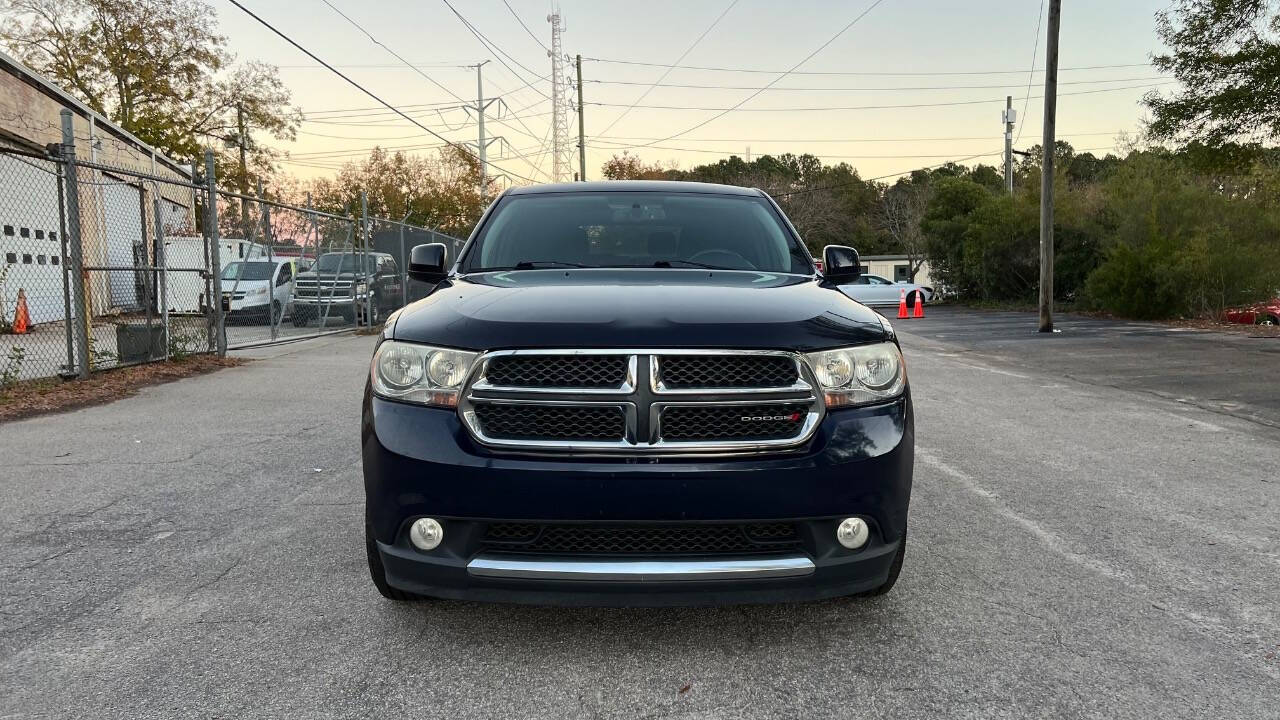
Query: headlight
{"points": [[362, 288], [860, 375], [420, 373]]}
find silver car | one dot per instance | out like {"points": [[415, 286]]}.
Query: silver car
{"points": [[875, 291]]}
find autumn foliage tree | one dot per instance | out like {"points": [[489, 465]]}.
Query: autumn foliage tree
{"points": [[157, 68], [441, 192]]}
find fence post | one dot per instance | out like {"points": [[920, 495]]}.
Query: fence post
{"points": [[69, 369], [162, 261], [76, 247], [404, 268], [364, 260], [215, 252]]}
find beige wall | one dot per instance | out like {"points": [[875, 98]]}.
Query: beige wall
{"points": [[884, 267]]}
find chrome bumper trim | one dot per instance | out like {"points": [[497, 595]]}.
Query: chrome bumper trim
{"points": [[494, 565]]}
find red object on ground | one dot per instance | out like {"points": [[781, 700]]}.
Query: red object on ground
{"points": [[1263, 313], [902, 304], [21, 318], [919, 304]]}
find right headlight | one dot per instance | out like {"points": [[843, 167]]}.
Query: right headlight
{"points": [[861, 375], [420, 373]]}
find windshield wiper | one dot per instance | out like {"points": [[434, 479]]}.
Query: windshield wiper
{"points": [[688, 263], [534, 265]]}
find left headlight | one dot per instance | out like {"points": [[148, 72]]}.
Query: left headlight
{"points": [[420, 373], [861, 375]]}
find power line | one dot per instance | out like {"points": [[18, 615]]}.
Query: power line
{"points": [[667, 72], [903, 88], [1035, 50], [397, 56], [393, 53], [458, 66], [830, 108], [806, 59], [526, 27], [358, 86], [498, 52], [821, 157], [843, 140], [884, 177], [858, 73]]}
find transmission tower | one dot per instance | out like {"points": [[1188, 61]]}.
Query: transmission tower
{"points": [[561, 162]]}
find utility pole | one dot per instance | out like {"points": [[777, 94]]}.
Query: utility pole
{"points": [[482, 146], [1010, 117], [1046, 177], [242, 141], [582, 133]]}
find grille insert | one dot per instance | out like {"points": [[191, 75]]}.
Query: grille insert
{"points": [[686, 372], [551, 422], [641, 539], [681, 423], [558, 371]]}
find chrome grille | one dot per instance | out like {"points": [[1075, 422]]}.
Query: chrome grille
{"points": [[680, 372], [558, 371], [310, 287], [733, 422], [507, 421], [641, 401]]}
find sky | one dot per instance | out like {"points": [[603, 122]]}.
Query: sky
{"points": [[918, 53]]}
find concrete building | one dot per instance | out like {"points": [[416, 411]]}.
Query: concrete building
{"points": [[117, 209], [895, 268]]}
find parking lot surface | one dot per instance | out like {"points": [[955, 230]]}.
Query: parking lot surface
{"points": [[1093, 534]]}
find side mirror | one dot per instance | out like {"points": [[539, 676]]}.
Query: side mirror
{"points": [[426, 262], [840, 264]]}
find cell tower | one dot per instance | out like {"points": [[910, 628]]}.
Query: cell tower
{"points": [[561, 151]]}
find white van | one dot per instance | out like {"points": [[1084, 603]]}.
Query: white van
{"points": [[258, 289]]}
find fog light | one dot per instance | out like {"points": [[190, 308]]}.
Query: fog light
{"points": [[852, 533], [426, 534]]}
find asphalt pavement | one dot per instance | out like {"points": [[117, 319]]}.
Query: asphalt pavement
{"points": [[1087, 540]]}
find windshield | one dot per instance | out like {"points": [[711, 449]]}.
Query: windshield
{"points": [[248, 271], [636, 229], [342, 263]]}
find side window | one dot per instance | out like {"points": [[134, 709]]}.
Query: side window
{"points": [[286, 274], [391, 266]]}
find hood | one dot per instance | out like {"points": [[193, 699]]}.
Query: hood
{"points": [[640, 308]]}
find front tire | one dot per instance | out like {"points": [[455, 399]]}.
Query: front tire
{"points": [[1267, 319], [379, 573], [894, 570]]}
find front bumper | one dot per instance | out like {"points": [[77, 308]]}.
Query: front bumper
{"points": [[422, 462]]}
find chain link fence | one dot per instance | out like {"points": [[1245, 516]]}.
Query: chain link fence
{"points": [[102, 266]]}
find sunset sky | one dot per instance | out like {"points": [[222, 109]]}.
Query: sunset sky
{"points": [[971, 53]]}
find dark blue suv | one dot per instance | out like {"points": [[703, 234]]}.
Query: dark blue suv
{"points": [[636, 393]]}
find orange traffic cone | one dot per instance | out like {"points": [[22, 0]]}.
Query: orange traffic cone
{"points": [[21, 318], [902, 305], [919, 304]]}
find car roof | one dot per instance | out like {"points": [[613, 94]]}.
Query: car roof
{"points": [[668, 186]]}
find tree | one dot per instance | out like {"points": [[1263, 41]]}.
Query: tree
{"points": [[900, 212], [1226, 57], [157, 68], [631, 167], [443, 192]]}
